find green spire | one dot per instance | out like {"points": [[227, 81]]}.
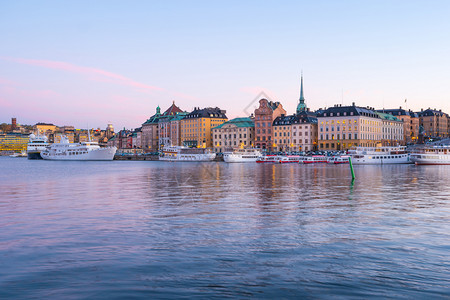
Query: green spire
{"points": [[158, 110], [301, 105]]}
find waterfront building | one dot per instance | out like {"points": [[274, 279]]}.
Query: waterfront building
{"points": [[13, 142], [175, 128], [196, 126], [342, 127], [434, 123], [392, 130], [164, 125], [150, 134], [296, 132], [410, 123], [113, 141], [265, 114], [136, 138], [235, 133]]}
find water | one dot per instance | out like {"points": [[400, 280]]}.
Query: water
{"points": [[105, 230]]}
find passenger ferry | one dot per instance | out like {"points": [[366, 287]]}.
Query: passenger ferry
{"points": [[435, 155], [313, 159], [35, 145], [267, 159], [289, 159], [379, 155], [242, 155], [180, 153], [64, 150], [337, 160]]}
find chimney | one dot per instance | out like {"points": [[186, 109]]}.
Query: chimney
{"points": [[353, 103]]}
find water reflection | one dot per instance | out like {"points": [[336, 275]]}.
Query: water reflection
{"points": [[152, 229]]}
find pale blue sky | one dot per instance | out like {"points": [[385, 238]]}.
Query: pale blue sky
{"points": [[92, 62]]}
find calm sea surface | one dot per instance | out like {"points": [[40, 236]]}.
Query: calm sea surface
{"points": [[122, 229]]}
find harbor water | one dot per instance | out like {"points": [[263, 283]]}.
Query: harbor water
{"points": [[149, 229]]}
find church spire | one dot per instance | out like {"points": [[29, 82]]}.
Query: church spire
{"points": [[301, 105]]}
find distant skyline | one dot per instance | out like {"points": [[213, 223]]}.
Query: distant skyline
{"points": [[90, 63]]}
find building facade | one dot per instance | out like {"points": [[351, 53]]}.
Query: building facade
{"points": [[150, 134], [164, 125], [434, 123], [175, 128], [295, 132], [411, 123], [196, 126], [343, 127], [235, 133], [265, 114]]}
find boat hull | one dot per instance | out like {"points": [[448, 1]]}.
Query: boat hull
{"points": [[190, 157], [424, 159], [102, 154], [34, 155], [238, 159]]}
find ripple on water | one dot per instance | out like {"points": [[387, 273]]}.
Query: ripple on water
{"points": [[151, 229]]}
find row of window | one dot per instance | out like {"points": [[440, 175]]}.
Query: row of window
{"points": [[232, 135], [232, 143], [288, 141]]}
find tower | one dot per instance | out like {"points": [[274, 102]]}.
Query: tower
{"points": [[301, 105]]}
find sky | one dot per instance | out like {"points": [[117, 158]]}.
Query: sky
{"points": [[90, 63]]}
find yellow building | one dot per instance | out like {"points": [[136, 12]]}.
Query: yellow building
{"points": [[44, 128], [14, 142], [343, 127], [196, 126]]}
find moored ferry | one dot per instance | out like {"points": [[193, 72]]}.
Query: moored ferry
{"points": [[36, 145], [313, 159], [435, 155], [64, 150], [338, 159], [289, 159], [242, 155], [267, 159], [180, 153], [379, 155]]}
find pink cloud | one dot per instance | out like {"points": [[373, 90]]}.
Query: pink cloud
{"points": [[91, 73]]}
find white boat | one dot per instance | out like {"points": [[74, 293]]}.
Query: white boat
{"points": [[436, 155], [313, 159], [180, 153], [285, 159], [65, 150], [338, 159], [21, 154], [36, 144], [242, 155], [379, 155], [267, 159]]}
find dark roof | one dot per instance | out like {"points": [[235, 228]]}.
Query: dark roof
{"points": [[239, 122], [300, 118], [48, 124], [347, 111], [432, 112], [208, 112], [399, 112]]}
